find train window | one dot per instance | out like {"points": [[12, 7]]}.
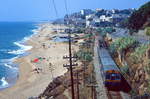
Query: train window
{"points": [[113, 76], [107, 76], [118, 77]]}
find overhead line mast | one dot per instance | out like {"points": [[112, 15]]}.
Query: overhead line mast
{"points": [[70, 54]]}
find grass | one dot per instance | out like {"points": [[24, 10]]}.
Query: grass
{"points": [[148, 31]]}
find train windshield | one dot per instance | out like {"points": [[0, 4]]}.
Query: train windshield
{"points": [[118, 77], [107, 76], [115, 76]]}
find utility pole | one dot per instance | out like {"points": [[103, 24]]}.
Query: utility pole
{"points": [[71, 71], [78, 93], [84, 70], [92, 85], [51, 69], [93, 90], [70, 66], [78, 83]]}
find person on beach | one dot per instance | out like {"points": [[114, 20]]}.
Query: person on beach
{"points": [[50, 64], [37, 70], [44, 46]]}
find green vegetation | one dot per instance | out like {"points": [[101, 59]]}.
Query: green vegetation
{"points": [[147, 68], [84, 55], [85, 52], [122, 44], [103, 31], [148, 31], [124, 23], [81, 30], [139, 53], [139, 17], [148, 87]]}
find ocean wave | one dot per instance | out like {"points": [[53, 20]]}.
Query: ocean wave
{"points": [[5, 50], [35, 31], [8, 60], [4, 83], [22, 50], [22, 45], [9, 63], [10, 67]]}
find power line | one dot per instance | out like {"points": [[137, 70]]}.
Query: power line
{"points": [[56, 12], [66, 6]]}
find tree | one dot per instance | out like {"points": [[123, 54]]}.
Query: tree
{"points": [[139, 17]]}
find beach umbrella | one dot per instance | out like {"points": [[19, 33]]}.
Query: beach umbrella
{"points": [[36, 60]]}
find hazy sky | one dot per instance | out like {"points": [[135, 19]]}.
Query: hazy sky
{"points": [[36, 10]]}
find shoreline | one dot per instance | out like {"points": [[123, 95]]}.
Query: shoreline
{"points": [[32, 83], [23, 51]]}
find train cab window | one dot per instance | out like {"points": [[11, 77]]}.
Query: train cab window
{"points": [[118, 77], [107, 76], [113, 76]]}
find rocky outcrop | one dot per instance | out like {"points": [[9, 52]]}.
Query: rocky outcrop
{"points": [[56, 88], [62, 84], [53, 89], [138, 75]]}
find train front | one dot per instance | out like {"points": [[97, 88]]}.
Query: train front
{"points": [[112, 78]]}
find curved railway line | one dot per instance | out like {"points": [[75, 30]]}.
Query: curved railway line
{"points": [[118, 91]]}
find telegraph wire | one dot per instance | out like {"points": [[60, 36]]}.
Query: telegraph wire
{"points": [[56, 12], [66, 6]]}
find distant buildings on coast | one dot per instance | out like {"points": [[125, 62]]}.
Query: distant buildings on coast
{"points": [[98, 17]]}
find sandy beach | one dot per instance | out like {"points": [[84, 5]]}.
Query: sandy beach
{"points": [[44, 63]]}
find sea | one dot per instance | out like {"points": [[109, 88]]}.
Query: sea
{"points": [[13, 37]]}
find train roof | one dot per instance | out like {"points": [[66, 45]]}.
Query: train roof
{"points": [[104, 53], [107, 61], [110, 67]]}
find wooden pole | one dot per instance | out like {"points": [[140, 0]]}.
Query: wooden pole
{"points": [[71, 70], [78, 93]]}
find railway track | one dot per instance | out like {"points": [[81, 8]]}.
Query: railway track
{"points": [[114, 95]]}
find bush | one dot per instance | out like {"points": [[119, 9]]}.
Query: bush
{"points": [[103, 31], [139, 53], [139, 17], [85, 56], [148, 31], [122, 44]]}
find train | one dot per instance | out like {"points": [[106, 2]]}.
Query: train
{"points": [[110, 72]]}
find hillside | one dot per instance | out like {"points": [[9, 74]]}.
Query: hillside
{"points": [[140, 18]]}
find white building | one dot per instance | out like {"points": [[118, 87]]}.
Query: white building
{"points": [[85, 12], [91, 19], [103, 18]]}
